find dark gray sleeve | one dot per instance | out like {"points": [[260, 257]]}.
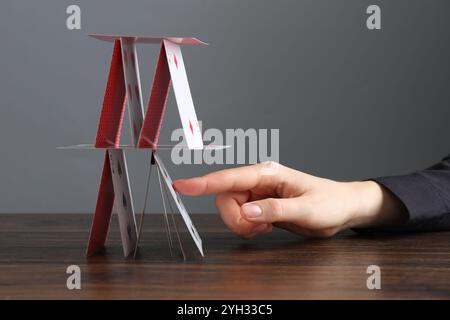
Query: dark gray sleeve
{"points": [[426, 196]]}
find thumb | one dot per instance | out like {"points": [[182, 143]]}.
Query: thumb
{"points": [[272, 210]]}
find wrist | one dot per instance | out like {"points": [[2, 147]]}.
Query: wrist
{"points": [[375, 206]]}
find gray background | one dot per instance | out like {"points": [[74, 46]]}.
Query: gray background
{"points": [[350, 103]]}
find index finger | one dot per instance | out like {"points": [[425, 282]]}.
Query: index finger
{"points": [[236, 179]]}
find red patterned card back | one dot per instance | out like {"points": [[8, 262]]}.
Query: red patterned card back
{"points": [[111, 116], [103, 211], [156, 104]]}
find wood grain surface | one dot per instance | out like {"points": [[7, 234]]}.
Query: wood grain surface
{"points": [[35, 250]]}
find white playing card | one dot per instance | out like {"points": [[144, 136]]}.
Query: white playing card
{"points": [[187, 220], [133, 86], [183, 96], [123, 203]]}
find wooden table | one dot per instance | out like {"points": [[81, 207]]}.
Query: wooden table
{"points": [[35, 251]]}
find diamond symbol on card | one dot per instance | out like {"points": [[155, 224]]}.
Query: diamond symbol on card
{"points": [[175, 60], [191, 127]]}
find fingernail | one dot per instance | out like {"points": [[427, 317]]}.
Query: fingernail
{"points": [[251, 210]]}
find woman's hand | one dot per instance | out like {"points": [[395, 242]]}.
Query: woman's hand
{"points": [[252, 199]]}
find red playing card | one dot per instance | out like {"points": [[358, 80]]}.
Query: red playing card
{"points": [[103, 210], [156, 104], [113, 108]]}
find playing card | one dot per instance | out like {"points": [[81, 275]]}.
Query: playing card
{"points": [[150, 40], [187, 220], [91, 146], [133, 86], [156, 103], [103, 210], [123, 203], [183, 96], [113, 108]]}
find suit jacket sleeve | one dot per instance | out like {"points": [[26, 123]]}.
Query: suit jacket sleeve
{"points": [[426, 196]]}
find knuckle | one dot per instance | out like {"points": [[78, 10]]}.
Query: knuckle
{"points": [[269, 163], [269, 168]]}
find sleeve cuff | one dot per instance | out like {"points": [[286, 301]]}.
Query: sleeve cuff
{"points": [[419, 196]]}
